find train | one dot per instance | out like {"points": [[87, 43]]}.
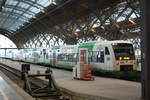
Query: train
{"points": [[117, 55]]}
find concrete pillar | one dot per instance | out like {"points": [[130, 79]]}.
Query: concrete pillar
{"points": [[145, 27]]}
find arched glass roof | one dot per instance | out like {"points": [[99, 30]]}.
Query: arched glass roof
{"points": [[16, 12]]}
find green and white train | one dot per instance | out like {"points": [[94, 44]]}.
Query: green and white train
{"points": [[107, 55]]}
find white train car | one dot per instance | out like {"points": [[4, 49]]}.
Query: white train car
{"points": [[113, 55], [102, 55], [107, 55]]}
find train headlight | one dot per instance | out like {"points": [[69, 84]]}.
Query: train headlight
{"points": [[126, 58], [120, 58]]}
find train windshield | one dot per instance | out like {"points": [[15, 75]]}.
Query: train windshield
{"points": [[123, 51]]}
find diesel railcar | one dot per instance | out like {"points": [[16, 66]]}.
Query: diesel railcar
{"points": [[102, 55]]}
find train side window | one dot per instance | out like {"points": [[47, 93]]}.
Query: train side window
{"points": [[44, 51], [107, 51], [94, 56], [70, 57], [90, 56], [46, 55], [74, 57], [102, 56], [77, 57], [98, 56]]}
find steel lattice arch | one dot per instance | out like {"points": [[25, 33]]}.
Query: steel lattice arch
{"points": [[71, 22]]}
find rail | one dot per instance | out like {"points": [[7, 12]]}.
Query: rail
{"points": [[35, 86]]}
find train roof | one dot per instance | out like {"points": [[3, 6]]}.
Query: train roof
{"points": [[114, 41], [120, 41]]}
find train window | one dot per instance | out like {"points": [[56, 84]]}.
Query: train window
{"points": [[65, 58], [74, 57], [77, 57], [98, 57], [102, 56], [94, 56], [44, 50], [46, 55], [107, 51], [90, 56], [60, 57], [71, 56], [68, 57]]}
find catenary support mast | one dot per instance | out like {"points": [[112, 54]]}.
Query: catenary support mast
{"points": [[145, 26]]}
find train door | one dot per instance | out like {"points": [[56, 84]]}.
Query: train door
{"points": [[54, 59], [83, 56], [108, 59]]}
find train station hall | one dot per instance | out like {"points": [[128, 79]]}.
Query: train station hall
{"points": [[74, 50]]}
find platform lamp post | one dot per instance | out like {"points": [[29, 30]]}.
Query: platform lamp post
{"points": [[145, 28]]}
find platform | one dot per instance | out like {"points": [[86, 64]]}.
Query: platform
{"points": [[10, 91], [99, 89]]}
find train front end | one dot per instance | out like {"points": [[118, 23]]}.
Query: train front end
{"points": [[124, 57]]}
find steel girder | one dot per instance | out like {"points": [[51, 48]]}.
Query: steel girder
{"points": [[120, 21], [106, 25], [14, 13], [43, 40], [59, 14]]}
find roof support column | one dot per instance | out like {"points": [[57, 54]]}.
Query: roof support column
{"points": [[145, 49]]}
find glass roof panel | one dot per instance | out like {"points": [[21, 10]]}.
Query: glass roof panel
{"points": [[34, 9], [7, 9], [27, 15], [23, 5], [33, 0], [133, 16], [11, 18], [45, 3], [11, 2], [16, 12]]}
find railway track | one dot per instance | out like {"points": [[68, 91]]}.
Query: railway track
{"points": [[11, 70], [124, 75], [37, 84]]}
